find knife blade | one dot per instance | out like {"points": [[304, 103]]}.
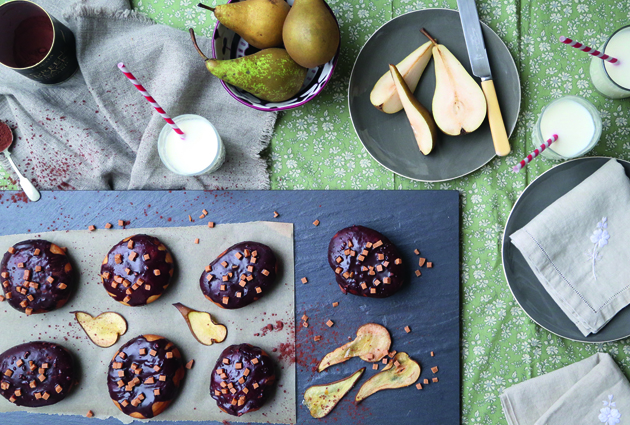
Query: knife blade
{"points": [[481, 68]]}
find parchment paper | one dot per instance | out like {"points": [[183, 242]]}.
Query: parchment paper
{"points": [[87, 250]]}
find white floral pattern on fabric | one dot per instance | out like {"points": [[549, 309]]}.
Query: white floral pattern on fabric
{"points": [[599, 238], [608, 415]]}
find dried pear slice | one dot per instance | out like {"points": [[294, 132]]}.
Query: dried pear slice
{"points": [[406, 373], [322, 399], [104, 329], [371, 344], [204, 329]]}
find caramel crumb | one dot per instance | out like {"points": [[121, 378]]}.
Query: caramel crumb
{"points": [[121, 223], [432, 354], [375, 366], [330, 323], [92, 228], [211, 224], [197, 241], [316, 223], [418, 273], [434, 369], [407, 329], [419, 386], [415, 251], [317, 338], [108, 225], [434, 379], [426, 382], [275, 214], [304, 280], [335, 304], [429, 264]]}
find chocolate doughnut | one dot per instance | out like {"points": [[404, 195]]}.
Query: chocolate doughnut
{"points": [[365, 262], [242, 379], [145, 376], [36, 276], [36, 374], [240, 275], [137, 270]]}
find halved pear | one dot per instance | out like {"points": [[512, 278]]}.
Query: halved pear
{"points": [[201, 325], [420, 119], [104, 329], [384, 95], [459, 105], [371, 344], [391, 376], [322, 399]]}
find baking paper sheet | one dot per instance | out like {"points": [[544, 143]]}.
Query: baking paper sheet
{"points": [[249, 324]]}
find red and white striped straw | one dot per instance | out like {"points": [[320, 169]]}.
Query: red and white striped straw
{"points": [[588, 50], [152, 101], [534, 154]]}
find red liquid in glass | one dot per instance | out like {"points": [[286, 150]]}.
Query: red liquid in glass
{"points": [[33, 39]]}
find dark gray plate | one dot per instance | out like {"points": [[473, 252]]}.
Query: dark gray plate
{"points": [[526, 288], [388, 138]]}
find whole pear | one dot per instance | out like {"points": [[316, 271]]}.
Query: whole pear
{"points": [[310, 33], [259, 22], [269, 74]]}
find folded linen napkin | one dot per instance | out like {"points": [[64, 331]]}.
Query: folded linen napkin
{"points": [[96, 131], [592, 391], [578, 248]]}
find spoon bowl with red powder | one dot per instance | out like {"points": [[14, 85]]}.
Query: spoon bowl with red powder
{"points": [[6, 140]]}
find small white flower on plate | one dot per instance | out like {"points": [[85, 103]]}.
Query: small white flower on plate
{"points": [[599, 238], [608, 415]]}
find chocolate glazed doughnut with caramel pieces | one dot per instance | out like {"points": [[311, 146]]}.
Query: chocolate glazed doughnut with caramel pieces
{"points": [[242, 379], [365, 262], [240, 275], [145, 376], [137, 270], [36, 276], [36, 374]]}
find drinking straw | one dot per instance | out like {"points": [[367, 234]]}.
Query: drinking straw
{"points": [[152, 101], [588, 50], [534, 154]]}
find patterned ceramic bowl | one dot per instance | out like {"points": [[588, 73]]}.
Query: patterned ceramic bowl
{"points": [[226, 44]]}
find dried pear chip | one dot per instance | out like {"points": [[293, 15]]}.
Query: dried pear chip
{"points": [[204, 329], [322, 399], [406, 373], [371, 344], [104, 329]]}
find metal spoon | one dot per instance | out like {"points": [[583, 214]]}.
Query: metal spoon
{"points": [[28, 188]]}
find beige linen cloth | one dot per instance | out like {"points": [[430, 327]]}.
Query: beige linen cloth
{"points": [[578, 248], [592, 391], [96, 131]]}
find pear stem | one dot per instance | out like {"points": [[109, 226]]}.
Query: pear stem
{"points": [[194, 40], [203, 6], [433, 40]]}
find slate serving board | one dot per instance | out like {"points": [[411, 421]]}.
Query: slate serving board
{"points": [[429, 305]]}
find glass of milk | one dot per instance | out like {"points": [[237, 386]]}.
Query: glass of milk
{"points": [[613, 79], [577, 124], [201, 152]]}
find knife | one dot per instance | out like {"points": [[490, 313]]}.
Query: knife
{"points": [[481, 68]]}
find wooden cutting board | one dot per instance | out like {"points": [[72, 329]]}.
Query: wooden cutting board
{"points": [[429, 304]]}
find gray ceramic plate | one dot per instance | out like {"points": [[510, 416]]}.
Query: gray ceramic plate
{"points": [[526, 288], [388, 138]]}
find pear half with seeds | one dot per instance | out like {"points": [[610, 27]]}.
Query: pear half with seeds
{"points": [[420, 119], [459, 105], [384, 95]]}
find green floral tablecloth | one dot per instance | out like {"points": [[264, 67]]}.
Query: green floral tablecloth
{"points": [[315, 147]]}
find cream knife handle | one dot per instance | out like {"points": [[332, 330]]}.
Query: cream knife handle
{"points": [[497, 128]]}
